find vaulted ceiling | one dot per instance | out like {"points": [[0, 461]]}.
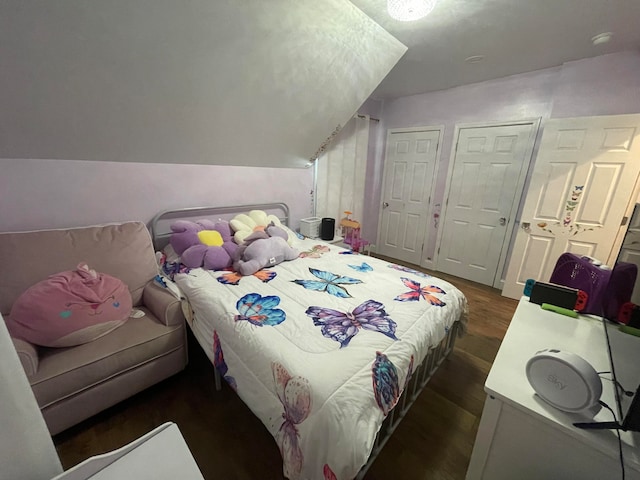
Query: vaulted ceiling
{"points": [[512, 36]]}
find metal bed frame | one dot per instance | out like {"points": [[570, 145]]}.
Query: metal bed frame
{"points": [[160, 234], [417, 382], [421, 375]]}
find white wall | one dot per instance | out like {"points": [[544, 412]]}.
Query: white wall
{"points": [[36, 194], [605, 85], [259, 83]]}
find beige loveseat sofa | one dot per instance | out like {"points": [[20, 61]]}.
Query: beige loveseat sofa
{"points": [[72, 384]]}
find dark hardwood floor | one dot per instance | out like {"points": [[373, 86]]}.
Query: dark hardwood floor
{"points": [[434, 441]]}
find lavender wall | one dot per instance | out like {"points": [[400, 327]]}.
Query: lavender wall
{"points": [[605, 85], [36, 194]]}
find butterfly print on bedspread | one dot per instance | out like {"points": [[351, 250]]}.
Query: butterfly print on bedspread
{"points": [[400, 268], [342, 327], [316, 252], [364, 267], [233, 278], [220, 364], [385, 383], [328, 473], [417, 291], [295, 395], [259, 310], [170, 269], [328, 282]]}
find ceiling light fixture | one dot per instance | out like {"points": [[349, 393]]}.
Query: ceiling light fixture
{"points": [[409, 10]]}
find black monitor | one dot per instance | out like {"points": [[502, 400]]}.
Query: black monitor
{"points": [[623, 344]]}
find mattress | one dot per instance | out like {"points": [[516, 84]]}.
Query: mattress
{"points": [[321, 347]]}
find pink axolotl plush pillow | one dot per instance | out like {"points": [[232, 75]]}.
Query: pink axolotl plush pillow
{"points": [[70, 308], [203, 243]]}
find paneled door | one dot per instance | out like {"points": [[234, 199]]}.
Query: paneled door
{"points": [[406, 195], [582, 185], [484, 190]]}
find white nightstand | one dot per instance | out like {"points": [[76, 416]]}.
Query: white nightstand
{"points": [[336, 240], [160, 454], [520, 436]]}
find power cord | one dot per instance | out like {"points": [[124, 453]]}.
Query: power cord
{"points": [[619, 437], [628, 393]]}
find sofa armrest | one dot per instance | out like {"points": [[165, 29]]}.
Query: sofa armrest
{"points": [[163, 304], [28, 354]]}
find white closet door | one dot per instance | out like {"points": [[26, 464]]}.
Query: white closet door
{"points": [[582, 185], [408, 182], [483, 193]]}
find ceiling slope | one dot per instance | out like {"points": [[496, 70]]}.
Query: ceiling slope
{"points": [[224, 82]]}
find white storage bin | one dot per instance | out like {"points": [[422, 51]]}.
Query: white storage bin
{"points": [[310, 227]]}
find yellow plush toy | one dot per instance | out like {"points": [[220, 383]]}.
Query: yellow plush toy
{"points": [[256, 220]]}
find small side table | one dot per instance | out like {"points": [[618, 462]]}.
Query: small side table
{"points": [[158, 455]]}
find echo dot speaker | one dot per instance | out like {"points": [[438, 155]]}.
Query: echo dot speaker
{"points": [[327, 228], [564, 380]]}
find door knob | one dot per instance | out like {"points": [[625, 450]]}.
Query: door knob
{"points": [[503, 221], [525, 226], [385, 204]]}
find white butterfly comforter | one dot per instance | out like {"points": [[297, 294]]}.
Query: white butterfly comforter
{"points": [[320, 347]]}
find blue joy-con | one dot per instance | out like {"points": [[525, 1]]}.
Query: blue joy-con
{"points": [[528, 286]]}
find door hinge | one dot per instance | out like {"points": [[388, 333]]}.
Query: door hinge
{"points": [[624, 221]]}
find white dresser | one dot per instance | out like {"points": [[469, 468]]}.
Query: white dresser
{"points": [[522, 437]]}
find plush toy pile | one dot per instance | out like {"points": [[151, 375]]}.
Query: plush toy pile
{"points": [[203, 243], [263, 248], [249, 242], [256, 220]]}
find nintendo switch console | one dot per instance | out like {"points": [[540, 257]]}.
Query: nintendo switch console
{"points": [[550, 293]]}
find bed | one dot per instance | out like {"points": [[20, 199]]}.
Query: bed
{"points": [[328, 350]]}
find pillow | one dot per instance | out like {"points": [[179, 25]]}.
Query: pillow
{"points": [[245, 224], [70, 308]]}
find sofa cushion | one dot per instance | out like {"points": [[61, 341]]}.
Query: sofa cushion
{"points": [[70, 308], [64, 372], [28, 355], [124, 251]]}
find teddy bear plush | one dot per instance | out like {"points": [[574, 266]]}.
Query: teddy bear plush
{"points": [[263, 248], [203, 243]]}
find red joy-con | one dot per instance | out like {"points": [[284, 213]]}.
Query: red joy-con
{"points": [[624, 315], [581, 301]]}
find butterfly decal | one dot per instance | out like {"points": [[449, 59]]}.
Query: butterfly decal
{"points": [[259, 310], [400, 268], [365, 267], [233, 278], [328, 282], [328, 473], [295, 395], [385, 383], [315, 252], [417, 291], [219, 363], [409, 373], [342, 327]]}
